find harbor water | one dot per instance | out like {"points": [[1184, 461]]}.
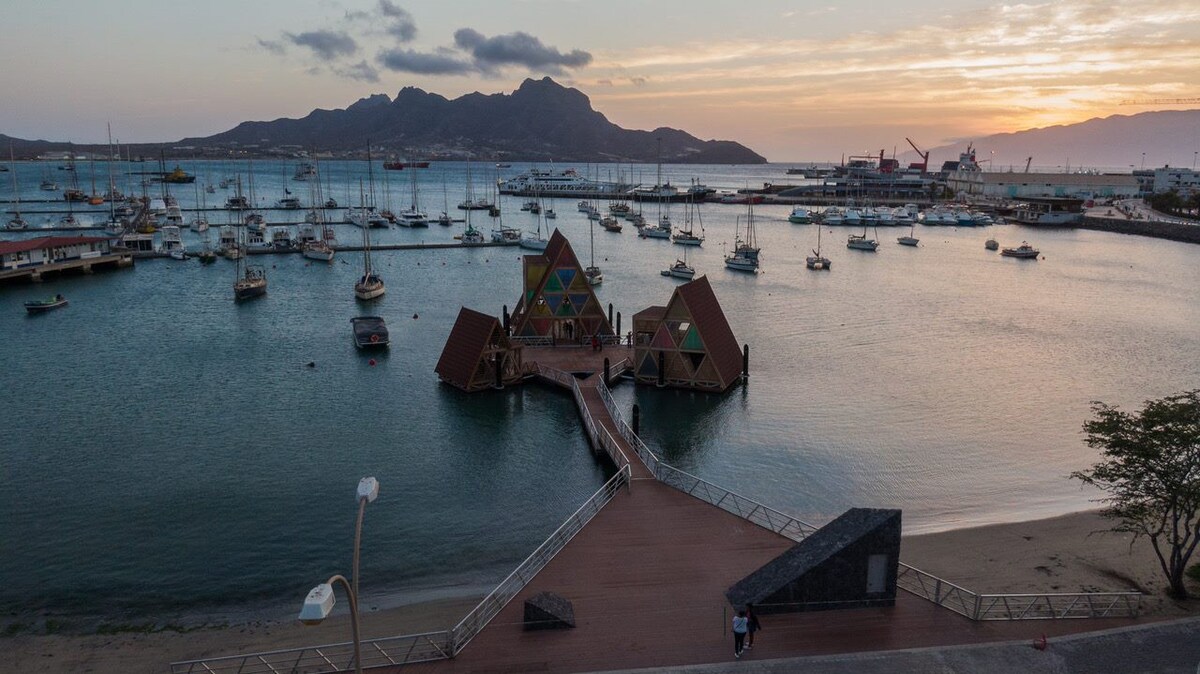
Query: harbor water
{"points": [[168, 451]]}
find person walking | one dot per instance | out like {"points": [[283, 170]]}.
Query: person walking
{"points": [[740, 626], [752, 625]]}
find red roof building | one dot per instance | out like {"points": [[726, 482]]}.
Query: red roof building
{"points": [[474, 350], [558, 301], [688, 343]]}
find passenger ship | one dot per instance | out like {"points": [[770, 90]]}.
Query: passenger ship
{"points": [[565, 183]]}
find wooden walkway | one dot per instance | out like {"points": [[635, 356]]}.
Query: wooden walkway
{"points": [[647, 578]]}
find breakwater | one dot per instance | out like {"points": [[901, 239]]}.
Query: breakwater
{"points": [[1173, 231]]}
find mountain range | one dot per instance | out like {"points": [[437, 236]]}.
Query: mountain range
{"points": [[1168, 137], [540, 121]]}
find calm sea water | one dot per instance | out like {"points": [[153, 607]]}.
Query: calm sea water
{"points": [[167, 449]]}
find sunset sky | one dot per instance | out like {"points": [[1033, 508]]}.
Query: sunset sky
{"points": [[793, 80]]}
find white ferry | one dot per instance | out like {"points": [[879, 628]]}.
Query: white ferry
{"points": [[556, 183]]}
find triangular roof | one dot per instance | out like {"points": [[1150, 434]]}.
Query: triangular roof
{"points": [[710, 321], [556, 276], [464, 347], [808, 554]]}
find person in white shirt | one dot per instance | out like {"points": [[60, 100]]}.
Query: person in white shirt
{"points": [[740, 625]]}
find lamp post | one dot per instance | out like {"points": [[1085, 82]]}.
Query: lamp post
{"points": [[320, 600], [1143, 160]]}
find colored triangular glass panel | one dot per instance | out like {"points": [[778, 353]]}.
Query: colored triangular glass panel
{"points": [[695, 359], [552, 284], [565, 276], [676, 310], [691, 341], [553, 301], [541, 325], [649, 366], [565, 309], [662, 339], [580, 300], [580, 284], [529, 330], [528, 298]]}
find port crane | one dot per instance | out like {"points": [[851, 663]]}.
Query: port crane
{"points": [[924, 165], [1160, 101]]}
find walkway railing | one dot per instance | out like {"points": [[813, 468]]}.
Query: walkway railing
{"points": [[386, 652], [1044, 606], [487, 609], [915, 581]]}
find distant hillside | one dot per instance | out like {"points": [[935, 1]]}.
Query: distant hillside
{"points": [[1167, 137], [540, 121]]}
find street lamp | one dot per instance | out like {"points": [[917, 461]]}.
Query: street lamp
{"points": [[1143, 160], [320, 600]]}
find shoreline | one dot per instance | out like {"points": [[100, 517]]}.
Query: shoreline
{"points": [[1066, 553]]}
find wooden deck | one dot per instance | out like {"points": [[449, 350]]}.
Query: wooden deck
{"points": [[578, 359], [647, 578]]}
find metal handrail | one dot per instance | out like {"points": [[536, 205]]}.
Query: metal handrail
{"points": [[383, 652], [482, 614]]}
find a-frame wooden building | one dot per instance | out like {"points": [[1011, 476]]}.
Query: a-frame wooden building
{"points": [[557, 300], [688, 343], [475, 349]]}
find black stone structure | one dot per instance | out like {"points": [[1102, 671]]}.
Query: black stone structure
{"points": [[548, 611], [849, 563]]}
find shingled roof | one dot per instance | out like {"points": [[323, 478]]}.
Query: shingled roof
{"points": [[714, 329], [464, 347]]}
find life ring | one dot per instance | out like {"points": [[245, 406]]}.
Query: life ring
{"points": [[374, 339]]}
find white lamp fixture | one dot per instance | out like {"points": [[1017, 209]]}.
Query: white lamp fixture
{"points": [[317, 605], [368, 488]]}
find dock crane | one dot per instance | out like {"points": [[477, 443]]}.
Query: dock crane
{"points": [[924, 165], [1027, 163]]}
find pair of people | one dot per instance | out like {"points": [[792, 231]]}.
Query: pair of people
{"points": [[745, 624]]}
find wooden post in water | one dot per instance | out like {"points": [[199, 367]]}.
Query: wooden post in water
{"points": [[507, 329], [606, 371], [610, 315], [618, 324], [745, 361], [637, 419]]}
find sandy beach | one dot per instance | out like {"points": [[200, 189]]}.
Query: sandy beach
{"points": [[1070, 553]]}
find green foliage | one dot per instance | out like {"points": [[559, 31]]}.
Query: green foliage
{"points": [[1150, 474]]}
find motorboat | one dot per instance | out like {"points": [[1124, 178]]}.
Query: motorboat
{"points": [[281, 238], [42, 306], [480, 204], [172, 242], [370, 332], [199, 224], [610, 224], [289, 203], [593, 275], [1023, 251], [800, 216], [412, 218]]}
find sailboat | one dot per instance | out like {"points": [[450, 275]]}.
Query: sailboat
{"points": [[471, 236], [681, 268], [661, 230], [199, 223], [370, 285], [745, 252], [16, 222], [444, 219], [470, 202], [413, 217], [318, 248], [857, 242], [534, 241], [592, 272], [816, 260], [909, 240], [686, 237], [114, 226], [250, 281]]}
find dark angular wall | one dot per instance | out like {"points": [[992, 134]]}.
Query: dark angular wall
{"points": [[829, 569]]}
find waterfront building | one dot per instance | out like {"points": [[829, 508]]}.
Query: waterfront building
{"points": [[688, 343], [476, 351], [1182, 180], [558, 302], [30, 258], [1024, 185]]}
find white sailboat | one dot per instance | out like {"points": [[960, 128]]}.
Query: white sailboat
{"points": [[816, 260], [686, 236], [534, 241], [681, 268], [317, 247], [592, 272], [414, 216], [745, 252], [857, 242], [909, 240], [16, 222], [370, 285]]}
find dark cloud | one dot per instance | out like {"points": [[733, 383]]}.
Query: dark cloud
{"points": [[361, 71], [604, 83], [400, 23], [328, 44], [520, 49], [273, 46], [638, 81], [422, 63]]}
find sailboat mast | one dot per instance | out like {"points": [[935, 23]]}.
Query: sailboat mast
{"points": [[112, 188]]}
